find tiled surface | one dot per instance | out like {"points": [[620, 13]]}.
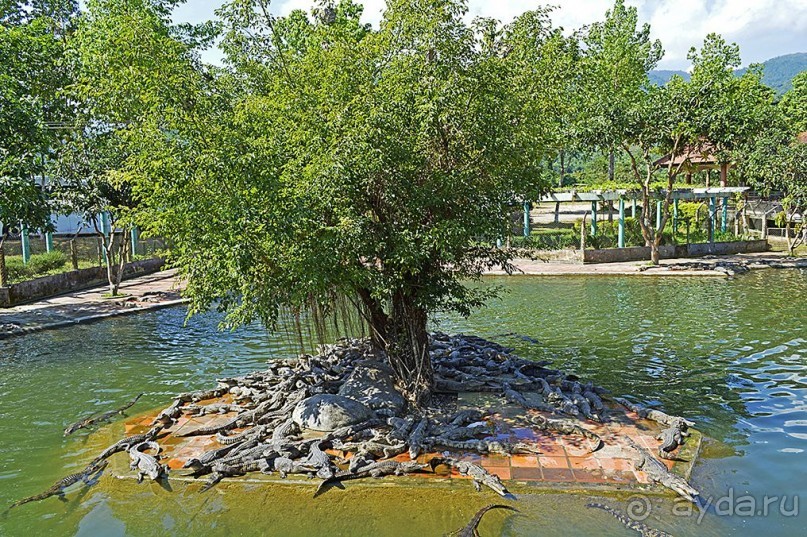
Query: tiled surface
{"points": [[552, 458]]}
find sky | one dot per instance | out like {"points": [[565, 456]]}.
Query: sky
{"points": [[762, 28]]}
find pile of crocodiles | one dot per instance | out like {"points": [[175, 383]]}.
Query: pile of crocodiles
{"points": [[261, 436], [732, 267]]}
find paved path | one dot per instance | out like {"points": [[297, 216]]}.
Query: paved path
{"points": [[700, 267], [144, 293]]}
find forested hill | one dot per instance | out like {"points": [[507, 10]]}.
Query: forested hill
{"points": [[779, 71], [778, 74]]}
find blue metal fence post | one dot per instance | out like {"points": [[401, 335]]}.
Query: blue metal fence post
{"points": [[526, 218], [724, 221], [593, 218], [135, 240], [658, 215], [105, 229], [675, 216], [26, 245], [712, 211], [48, 242], [633, 209], [621, 240]]}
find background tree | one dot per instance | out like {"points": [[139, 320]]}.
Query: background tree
{"points": [[336, 161], [128, 61], [794, 103], [33, 73], [714, 109], [774, 163], [618, 56], [87, 173], [20, 201]]}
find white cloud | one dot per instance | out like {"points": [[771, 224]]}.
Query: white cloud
{"points": [[762, 28]]}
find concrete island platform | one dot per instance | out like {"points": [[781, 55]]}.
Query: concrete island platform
{"points": [[555, 463]]}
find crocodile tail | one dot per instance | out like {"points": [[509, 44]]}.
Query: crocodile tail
{"points": [[323, 484], [479, 514], [595, 505]]}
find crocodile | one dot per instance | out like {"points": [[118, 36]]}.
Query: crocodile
{"points": [[215, 408], [101, 418], [58, 488], [658, 473], [285, 466], [212, 429], [479, 475], [478, 446], [470, 530], [221, 470], [516, 397], [320, 460], [416, 438], [286, 429], [643, 529], [400, 427], [466, 416], [145, 464], [566, 427], [208, 457], [125, 444], [376, 469], [255, 432], [372, 447], [653, 414], [671, 438]]}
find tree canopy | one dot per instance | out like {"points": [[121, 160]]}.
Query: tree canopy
{"points": [[331, 163]]}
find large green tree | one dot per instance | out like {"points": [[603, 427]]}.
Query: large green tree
{"points": [[33, 108], [618, 55], [129, 64], [332, 160], [714, 110], [794, 103]]}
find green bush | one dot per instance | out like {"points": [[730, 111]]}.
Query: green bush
{"points": [[17, 271], [548, 239], [608, 233], [47, 262], [38, 265]]}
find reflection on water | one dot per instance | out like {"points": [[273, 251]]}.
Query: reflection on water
{"points": [[730, 354]]}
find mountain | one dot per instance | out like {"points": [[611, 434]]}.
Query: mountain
{"points": [[659, 77], [778, 73]]}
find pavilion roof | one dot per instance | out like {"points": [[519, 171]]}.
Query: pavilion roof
{"points": [[697, 156]]}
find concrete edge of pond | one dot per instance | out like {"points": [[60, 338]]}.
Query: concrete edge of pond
{"points": [[119, 472], [86, 319]]}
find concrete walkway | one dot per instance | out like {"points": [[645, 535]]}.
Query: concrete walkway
{"points": [[700, 267], [158, 290]]}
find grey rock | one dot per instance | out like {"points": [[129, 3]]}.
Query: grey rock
{"points": [[372, 384], [326, 412]]}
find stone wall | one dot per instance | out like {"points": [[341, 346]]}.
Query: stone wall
{"points": [[71, 281], [642, 253]]}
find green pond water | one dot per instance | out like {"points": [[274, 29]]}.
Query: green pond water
{"points": [[728, 353]]}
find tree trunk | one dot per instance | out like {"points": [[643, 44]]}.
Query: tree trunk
{"points": [[73, 254], [376, 318], [611, 166], [407, 346], [655, 248], [3, 269]]}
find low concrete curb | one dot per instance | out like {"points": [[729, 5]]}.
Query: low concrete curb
{"points": [[90, 318]]}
